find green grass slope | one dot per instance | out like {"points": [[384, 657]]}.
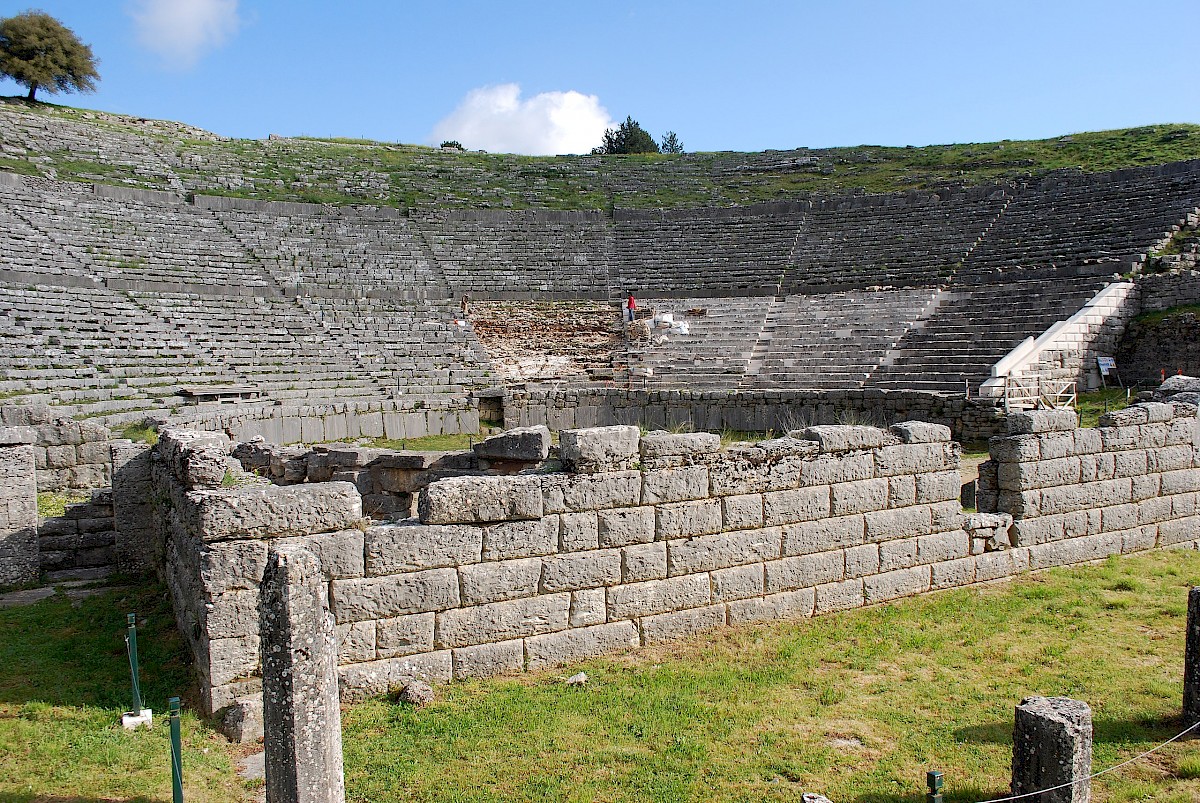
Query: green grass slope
{"points": [[81, 145]]}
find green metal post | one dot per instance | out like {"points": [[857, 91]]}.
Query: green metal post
{"points": [[131, 644], [176, 753], [933, 779]]}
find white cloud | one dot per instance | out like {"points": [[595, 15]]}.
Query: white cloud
{"points": [[495, 118], [181, 31]]}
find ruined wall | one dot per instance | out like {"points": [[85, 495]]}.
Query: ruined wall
{"points": [[18, 507], [1080, 494], [1160, 291], [70, 454], [749, 411]]}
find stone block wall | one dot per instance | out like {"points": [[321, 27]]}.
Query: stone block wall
{"points": [[1160, 291], [18, 507], [1080, 494], [70, 454], [750, 411]]}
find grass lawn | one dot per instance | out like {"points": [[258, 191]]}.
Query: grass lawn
{"points": [[856, 705]]}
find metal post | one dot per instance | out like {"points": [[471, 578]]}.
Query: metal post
{"points": [[933, 779], [131, 644], [176, 753]]}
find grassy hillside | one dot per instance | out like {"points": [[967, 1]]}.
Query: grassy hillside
{"points": [[76, 144]]}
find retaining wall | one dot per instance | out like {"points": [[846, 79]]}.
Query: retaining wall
{"points": [[70, 454], [749, 411], [18, 507]]}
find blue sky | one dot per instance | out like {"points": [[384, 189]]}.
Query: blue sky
{"points": [[530, 76]]}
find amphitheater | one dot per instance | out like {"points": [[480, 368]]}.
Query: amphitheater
{"points": [[154, 273]]}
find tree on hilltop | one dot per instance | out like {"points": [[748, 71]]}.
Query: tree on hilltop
{"points": [[670, 143], [39, 52], [630, 137]]}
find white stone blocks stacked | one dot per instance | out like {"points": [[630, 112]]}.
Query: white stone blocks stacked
{"points": [[1081, 494]]}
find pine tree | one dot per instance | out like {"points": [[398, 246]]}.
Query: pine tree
{"points": [[630, 137]]}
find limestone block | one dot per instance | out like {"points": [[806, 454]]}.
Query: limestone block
{"points": [[1052, 746], [229, 659], [1066, 499], [599, 492], [953, 573], [739, 474], [523, 444], [554, 649], [197, 459], [501, 621], [231, 565], [1145, 537], [836, 438], [404, 635], [905, 522], [408, 546], [920, 432], [232, 614], [1130, 464], [1029, 532], [468, 500], [665, 627], [916, 458], [738, 582], [859, 497], [625, 526], [718, 551], [802, 504], [684, 519], [823, 534], [897, 554], [644, 562], [272, 511], [940, 486], [1032, 422], [340, 553], [499, 580], [840, 596], [895, 584], [1074, 550], [1116, 439], [674, 484], [356, 599], [787, 605], [688, 444], [242, 722], [599, 449], [356, 642], [657, 596], [215, 698], [578, 531], [902, 490], [1015, 449], [521, 539], [1118, 517], [1157, 412], [60, 456], [743, 512], [1179, 530], [489, 660], [374, 678], [1170, 458], [1182, 481], [593, 569], [1086, 441], [830, 469], [994, 566], [1183, 505], [1129, 417], [1182, 432], [946, 516], [943, 546], [588, 607], [805, 571], [862, 560]]}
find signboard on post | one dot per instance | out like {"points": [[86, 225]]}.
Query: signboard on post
{"points": [[1108, 367]]}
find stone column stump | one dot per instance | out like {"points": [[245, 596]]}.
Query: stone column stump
{"points": [[1052, 745], [19, 558], [1191, 662], [301, 718]]}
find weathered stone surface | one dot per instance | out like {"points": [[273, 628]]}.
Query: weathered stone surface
{"points": [[354, 600], [743, 512], [823, 535], [674, 484], [618, 489], [373, 678], [920, 432], [666, 444], [644, 562], [803, 504], [521, 539], [581, 570], [523, 444], [708, 552], [658, 596], [553, 649], [588, 607], [1033, 422], [684, 519], [196, 459], [859, 497], [738, 582], [356, 642], [340, 553], [406, 547], [588, 451], [839, 596], [788, 605], [1191, 660], [905, 522], [500, 580], [19, 559], [667, 626], [272, 511], [487, 660], [469, 500], [899, 583], [404, 635], [625, 526], [848, 438], [500, 621], [578, 531], [301, 713], [805, 571], [242, 722], [1052, 746]]}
